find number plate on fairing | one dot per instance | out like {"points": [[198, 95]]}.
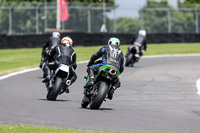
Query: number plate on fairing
{"points": [[63, 67]]}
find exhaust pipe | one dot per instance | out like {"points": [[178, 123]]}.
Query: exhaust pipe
{"points": [[68, 82]]}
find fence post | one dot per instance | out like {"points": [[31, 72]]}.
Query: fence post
{"points": [[89, 18], [115, 24], [45, 14], [10, 18], [169, 21], [142, 20], [197, 21], [37, 19]]}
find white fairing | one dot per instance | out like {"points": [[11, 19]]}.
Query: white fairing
{"points": [[63, 68]]}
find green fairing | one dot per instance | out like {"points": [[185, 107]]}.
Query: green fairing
{"points": [[87, 79], [108, 67]]}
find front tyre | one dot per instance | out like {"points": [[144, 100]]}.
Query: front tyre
{"points": [[100, 96], [56, 90]]}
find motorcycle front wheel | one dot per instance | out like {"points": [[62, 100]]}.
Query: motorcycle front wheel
{"points": [[100, 96], [56, 90]]}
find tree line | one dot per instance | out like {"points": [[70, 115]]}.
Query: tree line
{"points": [[154, 21]]}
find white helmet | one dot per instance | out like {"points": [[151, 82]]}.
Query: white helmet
{"points": [[114, 41], [67, 40], [56, 34], [142, 32]]}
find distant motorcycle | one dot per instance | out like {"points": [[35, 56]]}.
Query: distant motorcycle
{"points": [[58, 83], [132, 57], [104, 79]]}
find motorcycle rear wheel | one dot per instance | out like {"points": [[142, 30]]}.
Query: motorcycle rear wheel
{"points": [[130, 60], [100, 96], [56, 90]]}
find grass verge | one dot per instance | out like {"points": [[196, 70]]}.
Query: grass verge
{"points": [[19, 59], [36, 129]]}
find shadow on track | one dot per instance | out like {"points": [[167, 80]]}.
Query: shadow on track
{"points": [[58, 100], [102, 109]]}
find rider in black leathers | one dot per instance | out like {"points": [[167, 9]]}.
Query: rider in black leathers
{"points": [[63, 54], [111, 55], [140, 43], [53, 41]]}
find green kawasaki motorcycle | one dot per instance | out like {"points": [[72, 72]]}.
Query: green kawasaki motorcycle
{"points": [[103, 84]]}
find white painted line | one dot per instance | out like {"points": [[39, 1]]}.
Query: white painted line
{"points": [[198, 86], [27, 70], [170, 55], [81, 62], [17, 73]]}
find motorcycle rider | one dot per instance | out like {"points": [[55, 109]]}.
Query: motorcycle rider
{"points": [[111, 55], [53, 41], [63, 54], [140, 43]]}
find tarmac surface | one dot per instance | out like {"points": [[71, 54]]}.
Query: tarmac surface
{"points": [[157, 95]]}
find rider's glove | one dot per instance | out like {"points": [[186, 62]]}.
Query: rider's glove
{"points": [[88, 65]]}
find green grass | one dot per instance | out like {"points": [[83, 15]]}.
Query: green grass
{"points": [[182, 48], [19, 59], [35, 129]]}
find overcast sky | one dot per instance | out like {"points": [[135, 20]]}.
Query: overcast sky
{"points": [[130, 8], [140, 2]]}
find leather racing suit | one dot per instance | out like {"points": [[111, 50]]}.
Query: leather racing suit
{"points": [[111, 55], [63, 54]]}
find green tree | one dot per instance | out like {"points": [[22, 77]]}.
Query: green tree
{"points": [[93, 1], [128, 25], [188, 3], [153, 3], [83, 1], [24, 20], [156, 15]]}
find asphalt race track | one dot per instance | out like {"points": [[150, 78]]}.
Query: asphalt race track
{"points": [[157, 95]]}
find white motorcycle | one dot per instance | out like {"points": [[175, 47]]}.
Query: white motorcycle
{"points": [[59, 82]]}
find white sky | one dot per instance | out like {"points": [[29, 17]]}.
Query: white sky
{"points": [[130, 8], [141, 2]]}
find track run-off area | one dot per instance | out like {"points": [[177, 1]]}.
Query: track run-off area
{"points": [[158, 94]]}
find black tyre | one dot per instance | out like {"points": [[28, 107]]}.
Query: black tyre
{"points": [[56, 90], [100, 96], [129, 60], [85, 101]]}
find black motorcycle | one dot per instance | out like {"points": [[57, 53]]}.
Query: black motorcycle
{"points": [[103, 86], [132, 57]]}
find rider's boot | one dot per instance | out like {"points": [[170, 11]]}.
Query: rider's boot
{"points": [[47, 79], [110, 93], [91, 78], [47, 71], [113, 88]]}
